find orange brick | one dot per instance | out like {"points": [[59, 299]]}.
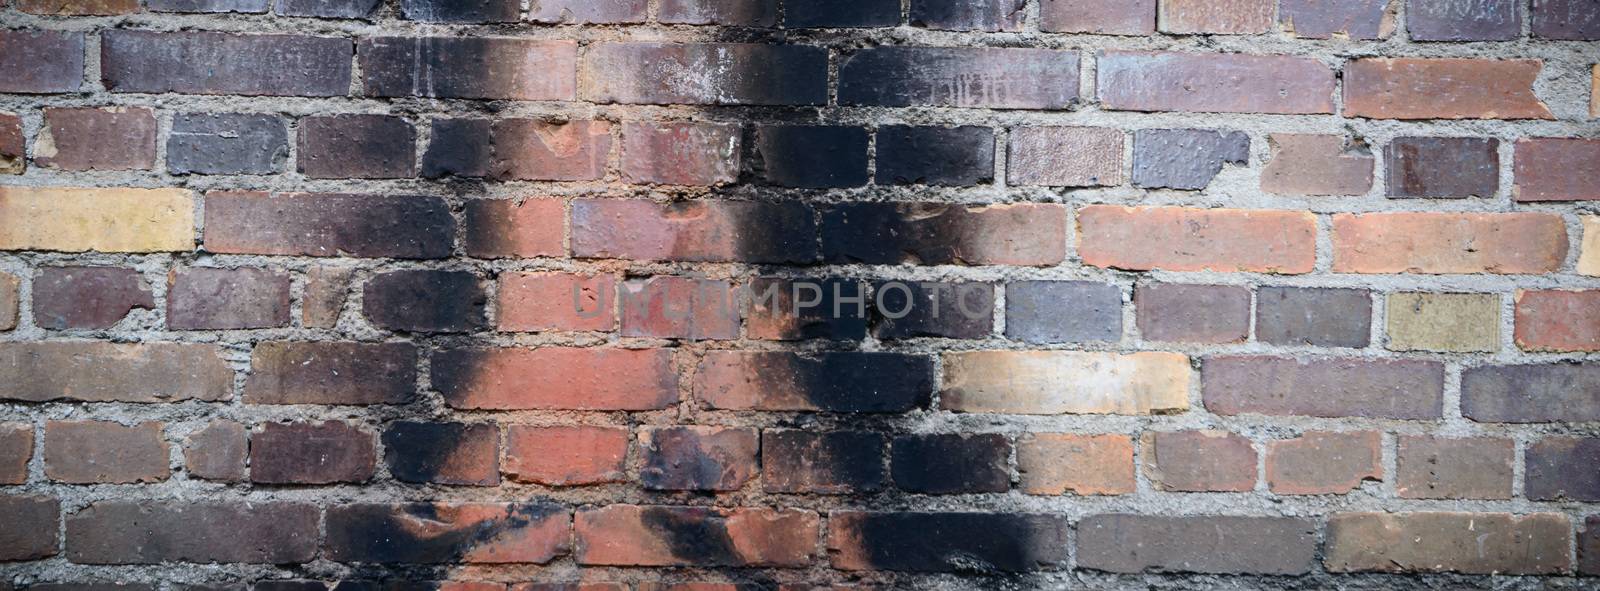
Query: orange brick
{"points": [[1409, 88], [1558, 320], [531, 302], [1426, 242], [565, 456], [1056, 463], [1225, 240]]}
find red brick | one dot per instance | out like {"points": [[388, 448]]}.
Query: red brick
{"points": [[474, 67], [566, 455], [705, 74], [680, 153], [1412, 88], [680, 308], [203, 298], [556, 378], [89, 452], [443, 453], [327, 224], [1308, 164], [720, 230], [1065, 156], [1228, 17], [37, 62], [16, 451], [105, 372], [1324, 463], [326, 290], [1058, 463], [1427, 242], [1189, 82], [121, 532], [217, 451], [87, 297], [13, 145], [447, 533], [515, 228], [311, 453], [533, 302], [1224, 240], [356, 147], [1323, 387], [203, 62], [1199, 461], [331, 373], [78, 7], [630, 535], [1474, 543], [31, 530], [1444, 468], [1558, 320], [697, 457], [1554, 169], [110, 138], [518, 149], [1104, 17]]}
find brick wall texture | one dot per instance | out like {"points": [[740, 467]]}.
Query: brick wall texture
{"points": [[727, 295]]}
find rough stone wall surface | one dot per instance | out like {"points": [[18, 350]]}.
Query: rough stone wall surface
{"points": [[456, 294]]}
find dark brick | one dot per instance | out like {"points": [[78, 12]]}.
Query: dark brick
{"points": [[587, 11], [968, 15], [947, 542], [1355, 19], [31, 531], [1192, 313], [357, 146], [1197, 544], [706, 73], [803, 14], [834, 382], [13, 145], [101, 372], [697, 230], [34, 62], [556, 378], [110, 138], [1447, 468], [16, 451], [443, 453], [1104, 17], [194, 62], [204, 6], [631, 535], [928, 309], [1566, 19], [1185, 158], [469, 67], [959, 156], [1546, 393], [425, 301], [1188, 82], [201, 298], [1443, 167], [1313, 316], [944, 234], [90, 452], [830, 463], [1562, 468], [1589, 546], [311, 453], [518, 149], [813, 156], [327, 8], [1063, 311], [87, 297], [217, 452], [440, 533], [1554, 169], [747, 13], [697, 458], [115, 532], [462, 11], [1330, 387], [800, 309], [1199, 461], [994, 78], [319, 224], [1464, 20], [331, 373], [951, 464], [1476, 543], [515, 228], [323, 301], [227, 143]]}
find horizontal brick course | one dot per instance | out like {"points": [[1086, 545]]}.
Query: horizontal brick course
{"points": [[1431, 542], [103, 220]]}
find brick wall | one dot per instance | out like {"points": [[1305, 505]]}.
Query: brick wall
{"points": [[450, 294]]}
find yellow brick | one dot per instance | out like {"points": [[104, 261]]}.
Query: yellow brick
{"points": [[1057, 382], [1589, 261], [1451, 322], [104, 220]]}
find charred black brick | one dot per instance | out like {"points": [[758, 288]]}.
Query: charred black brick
{"points": [[950, 464], [467, 67], [327, 8], [1462, 20], [462, 11], [958, 156], [814, 156], [357, 147], [460, 147], [835, 462], [776, 313], [1443, 167], [1538, 393], [1063, 311], [1562, 468], [1184, 158], [1313, 316], [979, 77], [928, 309], [227, 143], [311, 453], [866, 382], [948, 542], [436, 533], [698, 458], [801, 14], [317, 224], [425, 301], [971, 15], [224, 63], [116, 532], [443, 453]]}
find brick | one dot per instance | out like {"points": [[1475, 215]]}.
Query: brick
{"points": [[469, 68], [1452, 88], [16, 451], [1589, 546], [357, 147], [80, 7], [93, 298], [1318, 317], [1447, 322], [1594, 93], [510, 228], [1192, 313], [326, 224], [1323, 463], [116, 532], [801, 14], [324, 296], [752, 380], [1199, 461], [711, 231], [217, 451], [705, 74], [227, 143], [1310, 164], [679, 308], [1533, 393], [947, 541], [1473, 543], [1227, 17], [311, 453], [1561, 468], [425, 301], [209, 6], [812, 156], [9, 300], [1566, 19], [1188, 82], [697, 458], [1443, 468], [331, 373], [203, 298], [753, 13], [13, 145], [1476, 20], [1443, 167], [1185, 158], [944, 234], [39, 62], [1548, 169], [829, 463], [327, 8], [1353, 19], [1123, 543], [196, 62], [951, 463], [1440, 243], [988, 77], [31, 530], [96, 219], [90, 452], [556, 378], [110, 138], [534, 302], [582, 12], [680, 153], [1034, 311], [1065, 382], [925, 155], [831, 308], [1589, 259], [443, 453], [447, 11], [1558, 320], [968, 15], [1224, 240], [447, 533], [631, 535], [934, 310], [518, 149], [106, 372], [1323, 387], [566, 455], [1104, 17], [1065, 156], [1058, 463]]}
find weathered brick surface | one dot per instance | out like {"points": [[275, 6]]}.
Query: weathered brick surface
{"points": [[1531, 393], [1108, 17], [933, 310], [711, 74], [1558, 320], [103, 220], [1451, 468], [632, 535], [1197, 239], [532, 302], [445, 533], [693, 231], [1589, 258], [836, 462], [968, 15], [1547, 169], [579, 12], [1557, 469], [1176, 81], [958, 156], [1184, 159], [13, 145], [331, 373], [1329, 387], [311, 453], [555, 378], [105, 372], [1057, 382], [198, 62], [1199, 461], [1480, 20], [1355, 19], [443, 453], [1065, 156], [1566, 19], [317, 224], [1452, 88], [518, 149], [1057, 463], [995, 78], [37, 61], [1216, 16], [468, 67], [151, 533], [87, 297], [31, 532], [356, 146], [1460, 322], [755, 13], [941, 234], [1329, 317], [1125, 543], [1033, 311], [1442, 167], [1192, 313], [87, 452], [10, 300], [1406, 242], [950, 464], [425, 301], [81, 7], [840, 382], [565, 456], [680, 153], [201, 298], [840, 13], [1315, 164], [227, 143], [507, 228], [323, 301], [1448, 542], [831, 308], [678, 307], [1321, 462], [698, 458], [946, 541], [217, 452], [16, 451], [114, 138]]}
